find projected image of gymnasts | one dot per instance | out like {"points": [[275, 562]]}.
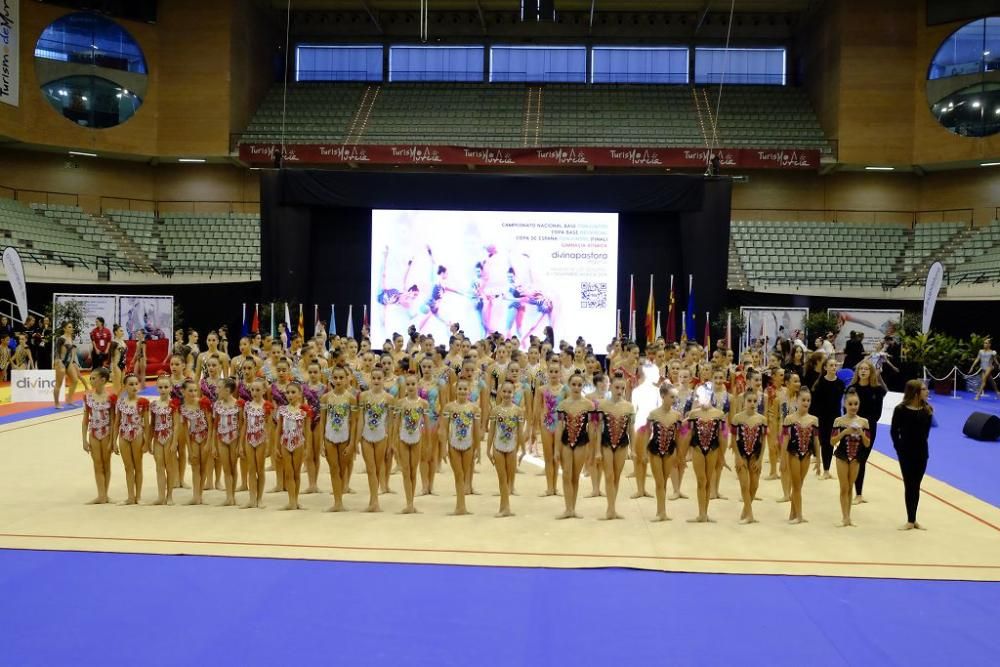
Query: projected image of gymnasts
{"points": [[523, 295], [484, 290], [388, 296], [439, 288]]}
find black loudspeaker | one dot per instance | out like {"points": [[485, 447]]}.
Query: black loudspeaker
{"points": [[982, 426]]}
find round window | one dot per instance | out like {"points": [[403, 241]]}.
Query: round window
{"points": [[91, 70]]}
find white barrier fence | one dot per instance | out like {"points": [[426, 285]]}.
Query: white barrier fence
{"points": [[953, 375]]}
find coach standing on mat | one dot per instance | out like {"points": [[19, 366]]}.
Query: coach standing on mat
{"points": [[911, 424], [100, 337]]}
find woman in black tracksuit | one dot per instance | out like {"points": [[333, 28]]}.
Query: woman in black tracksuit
{"points": [[911, 424], [827, 396], [871, 392]]}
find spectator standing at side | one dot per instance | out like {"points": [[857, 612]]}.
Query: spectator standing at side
{"points": [[100, 338], [854, 350]]}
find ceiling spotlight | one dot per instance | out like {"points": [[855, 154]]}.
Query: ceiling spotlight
{"points": [[81, 154], [880, 168], [975, 104], [191, 159], [989, 164]]}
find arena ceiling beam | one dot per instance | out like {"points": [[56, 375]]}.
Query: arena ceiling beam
{"points": [[482, 17], [371, 14]]}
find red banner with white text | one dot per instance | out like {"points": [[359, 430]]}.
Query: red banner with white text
{"points": [[410, 154]]}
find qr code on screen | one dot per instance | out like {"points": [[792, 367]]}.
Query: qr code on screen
{"points": [[593, 295]]}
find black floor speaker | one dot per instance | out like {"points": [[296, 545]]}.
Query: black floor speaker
{"points": [[982, 426]]}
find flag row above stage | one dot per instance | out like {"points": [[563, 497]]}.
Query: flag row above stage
{"points": [[252, 325], [652, 328]]}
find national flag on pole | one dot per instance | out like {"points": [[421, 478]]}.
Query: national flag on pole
{"points": [[364, 316], [708, 337], [631, 307], [350, 321], [690, 307], [658, 334], [684, 325], [672, 314], [302, 323], [618, 325], [317, 330], [288, 319], [272, 320], [729, 331], [244, 331], [650, 314], [255, 325], [333, 322]]}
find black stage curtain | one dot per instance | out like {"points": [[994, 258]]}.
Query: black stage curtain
{"points": [[316, 228], [499, 192]]}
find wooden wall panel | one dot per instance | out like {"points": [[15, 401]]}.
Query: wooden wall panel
{"points": [[36, 122], [932, 142], [194, 78], [876, 82], [819, 46], [251, 67], [34, 170], [118, 184]]}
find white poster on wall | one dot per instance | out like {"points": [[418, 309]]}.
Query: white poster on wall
{"points": [[153, 314], [768, 324], [873, 324], [10, 63], [83, 309], [32, 386]]}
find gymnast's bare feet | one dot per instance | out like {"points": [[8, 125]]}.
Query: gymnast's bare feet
{"points": [[661, 517]]}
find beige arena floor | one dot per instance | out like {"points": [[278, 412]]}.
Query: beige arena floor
{"points": [[46, 479]]}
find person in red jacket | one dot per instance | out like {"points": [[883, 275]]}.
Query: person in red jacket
{"points": [[100, 337]]}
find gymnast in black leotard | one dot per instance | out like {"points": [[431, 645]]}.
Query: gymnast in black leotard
{"points": [[705, 424], [616, 417], [800, 434], [751, 432], [660, 437], [573, 414], [851, 436]]}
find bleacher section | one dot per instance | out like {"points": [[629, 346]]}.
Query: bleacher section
{"points": [[817, 253], [216, 244], [928, 240], [766, 117], [56, 235], [977, 257], [844, 255], [512, 115], [316, 113], [763, 253], [140, 226], [64, 237], [447, 114]]}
